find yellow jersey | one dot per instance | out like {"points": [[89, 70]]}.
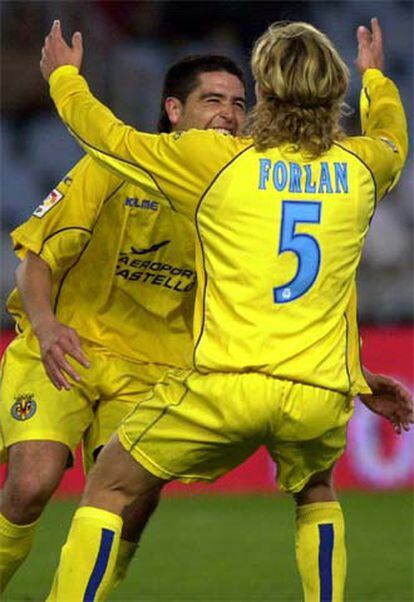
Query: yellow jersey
{"points": [[279, 236], [122, 265]]}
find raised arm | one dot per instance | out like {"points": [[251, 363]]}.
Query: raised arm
{"points": [[178, 166], [61, 61], [382, 113]]}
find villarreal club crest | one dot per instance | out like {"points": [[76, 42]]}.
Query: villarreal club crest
{"points": [[24, 407]]}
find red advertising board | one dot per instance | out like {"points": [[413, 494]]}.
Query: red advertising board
{"points": [[376, 458]]}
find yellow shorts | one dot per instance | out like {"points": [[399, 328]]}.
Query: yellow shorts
{"points": [[196, 427], [31, 408]]}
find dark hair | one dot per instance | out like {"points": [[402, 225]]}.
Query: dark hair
{"points": [[182, 78]]}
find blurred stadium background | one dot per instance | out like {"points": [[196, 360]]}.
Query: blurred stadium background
{"points": [[238, 545]]}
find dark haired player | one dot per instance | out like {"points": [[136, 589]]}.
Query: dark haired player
{"points": [[103, 307]]}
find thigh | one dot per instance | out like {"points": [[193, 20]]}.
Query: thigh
{"points": [[122, 384], [193, 427], [32, 408], [35, 465], [309, 435]]}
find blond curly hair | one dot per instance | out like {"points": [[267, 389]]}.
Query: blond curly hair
{"points": [[301, 82]]}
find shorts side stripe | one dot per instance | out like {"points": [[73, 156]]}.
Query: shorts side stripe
{"points": [[161, 414], [326, 543], [107, 538]]}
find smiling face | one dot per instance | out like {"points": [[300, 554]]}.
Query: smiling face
{"points": [[218, 102]]}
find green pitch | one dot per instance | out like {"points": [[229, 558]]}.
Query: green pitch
{"points": [[239, 549]]}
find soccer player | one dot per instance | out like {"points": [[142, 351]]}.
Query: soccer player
{"points": [[281, 218], [104, 306], [64, 280]]}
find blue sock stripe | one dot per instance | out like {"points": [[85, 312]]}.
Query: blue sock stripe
{"points": [[101, 563], [326, 544]]}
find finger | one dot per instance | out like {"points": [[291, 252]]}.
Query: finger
{"points": [[403, 394], [64, 365], [376, 31], [56, 29], [363, 35], [56, 33], [79, 356], [55, 381], [77, 41], [55, 374], [76, 350], [58, 356]]}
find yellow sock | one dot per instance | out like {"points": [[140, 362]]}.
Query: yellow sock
{"points": [[320, 551], [15, 544], [126, 552], [88, 557]]}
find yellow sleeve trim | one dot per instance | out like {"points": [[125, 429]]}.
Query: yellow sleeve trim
{"points": [[64, 70], [371, 74]]}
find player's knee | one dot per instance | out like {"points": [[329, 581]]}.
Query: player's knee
{"points": [[26, 494], [116, 485], [318, 489]]}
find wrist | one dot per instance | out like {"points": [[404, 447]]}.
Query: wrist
{"points": [[42, 322], [61, 72]]}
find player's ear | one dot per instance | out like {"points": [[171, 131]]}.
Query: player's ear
{"points": [[174, 109]]}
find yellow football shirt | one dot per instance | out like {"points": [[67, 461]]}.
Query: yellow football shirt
{"points": [[279, 236], [122, 265]]}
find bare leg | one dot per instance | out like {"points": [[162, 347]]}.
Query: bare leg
{"points": [[318, 489], [117, 481], [34, 471], [136, 515], [89, 556]]}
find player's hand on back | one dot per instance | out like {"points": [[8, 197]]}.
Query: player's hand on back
{"points": [[56, 342], [389, 399], [370, 49], [56, 52]]}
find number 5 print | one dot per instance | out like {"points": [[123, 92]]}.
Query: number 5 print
{"points": [[305, 247]]}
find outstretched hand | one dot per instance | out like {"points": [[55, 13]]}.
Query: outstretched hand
{"points": [[389, 399], [56, 53], [370, 49]]}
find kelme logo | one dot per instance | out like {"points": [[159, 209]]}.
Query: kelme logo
{"points": [[24, 407]]}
